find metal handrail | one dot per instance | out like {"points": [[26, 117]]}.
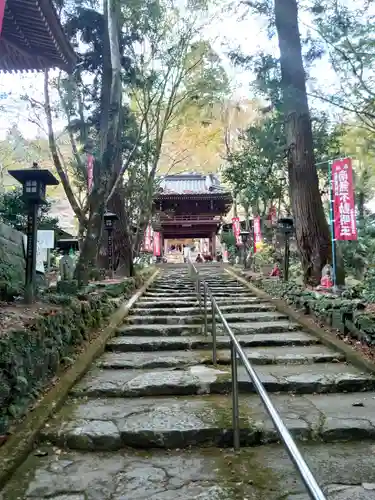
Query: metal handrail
{"points": [[307, 477]]}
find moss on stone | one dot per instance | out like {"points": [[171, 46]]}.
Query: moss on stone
{"points": [[31, 356], [241, 475]]}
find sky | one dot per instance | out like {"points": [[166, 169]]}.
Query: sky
{"points": [[227, 32]]}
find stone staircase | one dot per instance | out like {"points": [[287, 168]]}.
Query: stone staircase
{"points": [[152, 418]]}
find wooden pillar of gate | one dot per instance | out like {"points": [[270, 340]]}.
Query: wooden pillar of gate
{"points": [[213, 245]]}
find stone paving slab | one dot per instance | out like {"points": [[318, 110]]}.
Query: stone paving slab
{"points": [[161, 311], [277, 326], [346, 471], [258, 356], [201, 379], [128, 343], [112, 424], [186, 319], [243, 293], [189, 301], [160, 330]]}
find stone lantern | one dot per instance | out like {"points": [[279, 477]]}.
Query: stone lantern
{"points": [[34, 182]]}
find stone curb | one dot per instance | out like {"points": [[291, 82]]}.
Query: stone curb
{"points": [[20, 444], [328, 338]]}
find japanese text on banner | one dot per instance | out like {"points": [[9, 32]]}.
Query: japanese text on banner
{"points": [[257, 235], [90, 172], [343, 200], [236, 230], [147, 246], [157, 249]]}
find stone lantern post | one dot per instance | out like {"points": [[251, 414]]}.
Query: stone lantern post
{"points": [[34, 182]]}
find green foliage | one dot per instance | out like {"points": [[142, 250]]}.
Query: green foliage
{"points": [[338, 312], [266, 256], [257, 169], [32, 355], [359, 255], [228, 239], [346, 31], [13, 211]]}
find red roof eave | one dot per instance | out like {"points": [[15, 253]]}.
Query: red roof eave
{"points": [[2, 10]]}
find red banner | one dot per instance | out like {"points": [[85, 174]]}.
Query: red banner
{"points": [[236, 230], [2, 10], [157, 249], [90, 170], [257, 234], [343, 200], [147, 246], [272, 215]]}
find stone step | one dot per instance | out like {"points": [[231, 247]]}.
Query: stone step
{"points": [[161, 311], [146, 320], [191, 329], [201, 379], [127, 343], [173, 283], [157, 330], [170, 423], [257, 356], [192, 294], [230, 289], [188, 302], [176, 289], [144, 302], [346, 471], [186, 319], [167, 295]]}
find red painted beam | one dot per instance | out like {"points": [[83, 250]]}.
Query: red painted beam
{"points": [[2, 10]]}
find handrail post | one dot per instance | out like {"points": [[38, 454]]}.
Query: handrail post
{"points": [[235, 409], [205, 308], [236, 352], [214, 350]]}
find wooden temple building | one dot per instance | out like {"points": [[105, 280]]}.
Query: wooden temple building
{"points": [[189, 210], [32, 38]]}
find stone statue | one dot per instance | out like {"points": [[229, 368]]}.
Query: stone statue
{"points": [[66, 268], [326, 280]]}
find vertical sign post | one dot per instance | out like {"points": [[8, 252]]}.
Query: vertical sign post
{"points": [[109, 220], [342, 206], [32, 238]]}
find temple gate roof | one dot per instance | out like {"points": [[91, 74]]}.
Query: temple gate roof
{"points": [[32, 38], [192, 183]]}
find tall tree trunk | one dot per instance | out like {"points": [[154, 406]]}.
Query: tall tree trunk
{"points": [[235, 208], [88, 254], [311, 226], [122, 237], [109, 148], [247, 216]]}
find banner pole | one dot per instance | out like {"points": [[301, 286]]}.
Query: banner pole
{"points": [[332, 224]]}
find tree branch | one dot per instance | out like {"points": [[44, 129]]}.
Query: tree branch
{"points": [[55, 155]]}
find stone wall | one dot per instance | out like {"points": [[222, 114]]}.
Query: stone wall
{"points": [[12, 258]]}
